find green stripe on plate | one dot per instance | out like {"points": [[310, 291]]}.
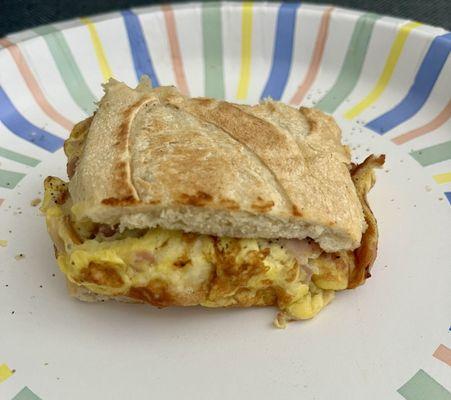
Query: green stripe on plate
{"points": [[17, 157], [68, 68], [212, 39], [433, 154], [26, 394], [352, 65], [10, 179], [423, 387]]}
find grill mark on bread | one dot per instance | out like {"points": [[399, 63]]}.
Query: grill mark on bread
{"points": [[296, 211], [217, 117], [198, 199], [262, 205], [125, 201], [221, 118], [123, 174], [229, 204], [121, 181]]}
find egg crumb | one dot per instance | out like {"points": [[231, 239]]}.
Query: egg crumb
{"points": [[3, 243], [35, 202]]}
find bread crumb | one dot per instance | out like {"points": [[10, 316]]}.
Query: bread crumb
{"points": [[3, 243], [19, 256], [428, 188], [35, 202]]}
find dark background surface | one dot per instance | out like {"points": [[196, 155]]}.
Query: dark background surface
{"points": [[16, 15]]}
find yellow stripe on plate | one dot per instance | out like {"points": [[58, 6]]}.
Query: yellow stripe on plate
{"points": [[443, 178], [246, 48], [98, 48], [5, 372], [393, 57]]}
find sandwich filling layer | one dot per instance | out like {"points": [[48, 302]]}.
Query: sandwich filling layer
{"points": [[170, 267]]}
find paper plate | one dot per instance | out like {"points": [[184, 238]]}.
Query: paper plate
{"points": [[386, 81]]}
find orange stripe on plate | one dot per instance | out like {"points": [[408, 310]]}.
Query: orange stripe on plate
{"points": [[174, 45], [316, 59], [438, 121], [443, 353], [33, 85]]}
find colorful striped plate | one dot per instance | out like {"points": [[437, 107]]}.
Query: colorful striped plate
{"points": [[387, 82]]}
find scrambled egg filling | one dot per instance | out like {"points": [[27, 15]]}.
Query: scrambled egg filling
{"points": [[168, 267]]}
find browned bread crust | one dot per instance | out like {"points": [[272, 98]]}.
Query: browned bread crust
{"points": [[153, 157]]}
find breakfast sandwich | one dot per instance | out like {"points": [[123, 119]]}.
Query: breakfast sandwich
{"points": [[178, 201]]}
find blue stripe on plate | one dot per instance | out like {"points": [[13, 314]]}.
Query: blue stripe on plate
{"points": [[138, 45], [18, 125], [448, 196], [283, 51], [419, 92]]}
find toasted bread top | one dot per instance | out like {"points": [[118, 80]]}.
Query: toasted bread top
{"points": [[153, 157]]}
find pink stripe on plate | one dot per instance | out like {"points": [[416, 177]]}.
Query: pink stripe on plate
{"points": [[1, 201], [316, 59], [33, 85], [443, 353], [174, 45], [438, 121]]}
